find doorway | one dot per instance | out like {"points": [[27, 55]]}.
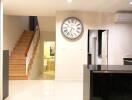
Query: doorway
{"points": [[98, 47], [49, 60]]}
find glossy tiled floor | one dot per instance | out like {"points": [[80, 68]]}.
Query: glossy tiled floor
{"points": [[45, 90], [48, 75]]}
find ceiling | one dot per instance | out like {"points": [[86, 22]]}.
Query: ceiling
{"points": [[49, 7]]}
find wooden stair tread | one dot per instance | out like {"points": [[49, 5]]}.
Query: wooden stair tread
{"points": [[17, 58], [18, 77], [20, 44], [24, 41], [18, 51], [17, 74], [12, 73], [11, 67], [17, 71], [16, 68]]}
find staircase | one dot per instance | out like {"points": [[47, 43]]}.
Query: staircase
{"points": [[17, 60]]}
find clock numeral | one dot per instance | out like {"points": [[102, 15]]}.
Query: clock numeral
{"points": [[78, 24], [75, 21], [71, 35], [66, 24], [68, 33], [78, 31], [72, 20], [65, 30], [69, 21], [64, 27], [75, 34], [79, 28]]}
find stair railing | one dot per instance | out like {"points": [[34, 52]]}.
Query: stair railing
{"points": [[32, 46]]}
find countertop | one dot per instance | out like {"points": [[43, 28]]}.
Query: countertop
{"points": [[110, 68]]}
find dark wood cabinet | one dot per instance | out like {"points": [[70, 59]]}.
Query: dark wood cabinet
{"points": [[5, 73]]}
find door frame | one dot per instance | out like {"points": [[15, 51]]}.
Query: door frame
{"points": [[1, 50]]}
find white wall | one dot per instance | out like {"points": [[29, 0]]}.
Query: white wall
{"points": [[47, 35], [1, 51], [70, 56], [47, 28], [120, 39], [13, 28], [47, 23]]}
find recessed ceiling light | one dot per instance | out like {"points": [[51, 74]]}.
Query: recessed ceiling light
{"points": [[69, 1], [130, 3]]}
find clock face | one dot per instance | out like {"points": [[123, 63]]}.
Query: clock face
{"points": [[72, 28]]}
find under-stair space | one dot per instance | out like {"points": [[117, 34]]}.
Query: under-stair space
{"points": [[17, 60]]}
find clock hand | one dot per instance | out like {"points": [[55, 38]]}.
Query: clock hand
{"points": [[71, 29]]}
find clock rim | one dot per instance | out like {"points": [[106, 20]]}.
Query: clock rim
{"points": [[79, 34]]}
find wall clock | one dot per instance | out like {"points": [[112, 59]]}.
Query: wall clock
{"points": [[72, 28]]}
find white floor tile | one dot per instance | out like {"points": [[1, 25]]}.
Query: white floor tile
{"points": [[45, 90]]}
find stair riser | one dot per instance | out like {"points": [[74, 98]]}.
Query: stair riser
{"points": [[20, 48], [22, 45], [18, 68], [17, 56], [27, 42], [23, 41], [24, 35], [18, 78], [17, 62], [17, 74], [25, 38], [17, 53], [11, 73], [20, 73]]}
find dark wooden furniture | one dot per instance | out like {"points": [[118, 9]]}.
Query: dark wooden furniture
{"points": [[112, 82], [5, 73], [127, 61]]}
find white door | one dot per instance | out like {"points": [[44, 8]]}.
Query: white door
{"points": [[105, 48]]}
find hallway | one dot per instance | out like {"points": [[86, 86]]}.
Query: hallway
{"points": [[45, 90]]}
